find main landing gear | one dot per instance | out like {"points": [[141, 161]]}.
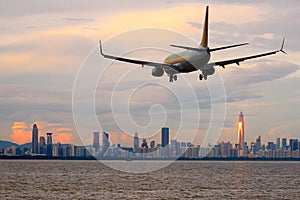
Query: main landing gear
{"points": [[201, 76], [172, 77]]}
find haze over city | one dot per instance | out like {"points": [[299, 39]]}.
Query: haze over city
{"points": [[42, 48]]}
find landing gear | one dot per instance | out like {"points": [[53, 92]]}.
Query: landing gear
{"points": [[175, 77], [201, 77], [172, 77]]}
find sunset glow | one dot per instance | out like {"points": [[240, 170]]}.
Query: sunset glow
{"points": [[240, 126], [20, 134]]}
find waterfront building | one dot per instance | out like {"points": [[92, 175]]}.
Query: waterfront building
{"points": [[43, 149], [49, 144], [136, 142], [258, 143], [225, 149], [284, 145], [152, 144], [241, 134], [35, 136], [105, 142], [96, 144], [294, 144], [164, 136], [277, 143]]}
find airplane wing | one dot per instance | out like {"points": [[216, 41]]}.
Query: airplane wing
{"points": [[238, 60], [138, 62]]}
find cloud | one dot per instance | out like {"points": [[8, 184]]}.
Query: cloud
{"points": [[78, 19], [238, 79], [20, 134], [63, 138]]}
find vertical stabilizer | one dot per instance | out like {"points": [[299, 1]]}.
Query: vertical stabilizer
{"points": [[204, 41]]}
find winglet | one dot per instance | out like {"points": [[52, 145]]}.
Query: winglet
{"points": [[100, 48], [281, 49], [204, 40]]}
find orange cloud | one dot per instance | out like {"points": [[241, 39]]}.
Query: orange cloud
{"points": [[63, 138], [20, 134], [126, 138]]}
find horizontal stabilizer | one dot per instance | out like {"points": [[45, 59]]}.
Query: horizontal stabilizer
{"points": [[201, 49]]}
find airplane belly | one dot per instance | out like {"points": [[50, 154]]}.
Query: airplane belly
{"points": [[195, 63], [200, 61]]}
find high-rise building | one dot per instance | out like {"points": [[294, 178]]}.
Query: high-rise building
{"points": [[258, 143], [105, 142], [136, 142], [96, 144], [164, 136], [277, 143], [271, 146], [241, 132], [49, 144], [284, 145], [35, 142], [294, 144], [43, 149], [144, 144], [152, 144]]}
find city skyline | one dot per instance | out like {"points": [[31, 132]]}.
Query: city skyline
{"points": [[167, 149], [164, 138], [35, 89]]}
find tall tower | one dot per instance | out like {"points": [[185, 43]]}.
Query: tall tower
{"points": [[105, 142], [136, 142], [241, 129], [49, 144], [42, 145], [35, 142], [96, 144], [164, 136]]}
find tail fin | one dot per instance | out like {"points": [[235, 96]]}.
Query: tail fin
{"points": [[204, 41]]}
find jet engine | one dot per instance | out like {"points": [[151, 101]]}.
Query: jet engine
{"points": [[158, 72], [208, 71]]}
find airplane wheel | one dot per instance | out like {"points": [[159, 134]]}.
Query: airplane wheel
{"points": [[200, 77], [175, 77]]}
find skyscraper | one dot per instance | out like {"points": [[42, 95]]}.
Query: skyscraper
{"points": [[164, 136], [35, 142], [284, 143], [277, 143], [43, 149], [136, 142], [49, 144], [96, 144], [105, 142], [241, 129], [294, 144], [152, 144], [258, 143]]}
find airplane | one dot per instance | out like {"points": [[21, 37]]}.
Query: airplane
{"points": [[192, 59]]}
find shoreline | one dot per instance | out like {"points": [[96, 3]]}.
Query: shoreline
{"points": [[29, 157]]}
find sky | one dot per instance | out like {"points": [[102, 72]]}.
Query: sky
{"points": [[46, 46]]}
